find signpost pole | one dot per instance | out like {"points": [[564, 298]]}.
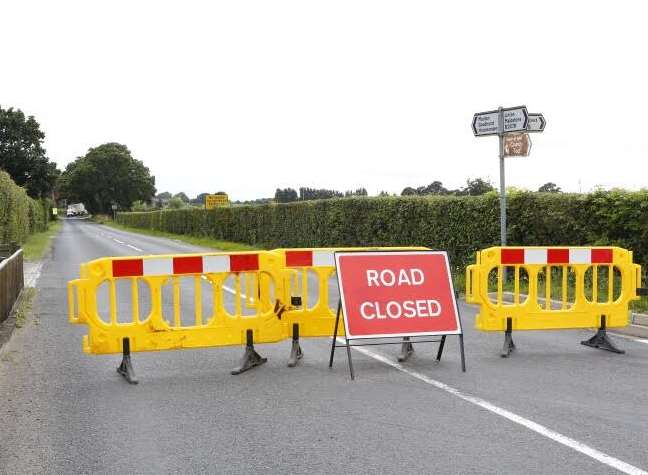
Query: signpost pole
{"points": [[502, 179]]}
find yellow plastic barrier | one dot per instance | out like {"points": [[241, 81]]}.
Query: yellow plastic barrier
{"points": [[310, 279], [541, 288], [234, 298]]}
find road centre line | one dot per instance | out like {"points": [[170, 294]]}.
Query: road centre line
{"points": [[628, 337], [117, 240], [529, 424], [133, 247], [227, 289]]}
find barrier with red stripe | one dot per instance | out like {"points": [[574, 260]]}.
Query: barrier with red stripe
{"points": [[311, 287], [544, 256], [204, 300], [541, 288], [193, 300], [179, 265]]}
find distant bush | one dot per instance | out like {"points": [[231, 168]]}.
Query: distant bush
{"points": [[459, 224], [20, 215]]}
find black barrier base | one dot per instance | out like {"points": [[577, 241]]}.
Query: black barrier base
{"points": [[407, 347], [601, 340], [126, 367], [296, 352], [509, 346], [250, 358], [407, 350]]}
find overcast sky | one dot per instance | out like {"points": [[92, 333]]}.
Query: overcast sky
{"points": [[246, 96]]}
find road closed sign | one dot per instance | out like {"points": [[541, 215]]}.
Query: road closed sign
{"points": [[393, 294]]}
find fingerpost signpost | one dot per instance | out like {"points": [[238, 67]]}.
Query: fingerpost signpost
{"points": [[512, 126]]}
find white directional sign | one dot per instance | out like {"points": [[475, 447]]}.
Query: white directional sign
{"points": [[515, 119], [487, 123], [537, 123]]}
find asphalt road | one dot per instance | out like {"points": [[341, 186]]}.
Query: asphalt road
{"points": [[554, 407]]}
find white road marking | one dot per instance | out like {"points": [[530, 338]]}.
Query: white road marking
{"points": [[227, 289], [133, 247], [529, 424], [117, 240], [628, 337]]}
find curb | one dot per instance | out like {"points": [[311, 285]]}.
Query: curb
{"points": [[9, 325], [30, 279]]}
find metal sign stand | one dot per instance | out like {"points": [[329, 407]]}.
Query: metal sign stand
{"points": [[406, 342], [500, 134]]}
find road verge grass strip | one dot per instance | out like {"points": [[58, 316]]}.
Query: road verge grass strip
{"points": [[37, 244], [202, 241]]}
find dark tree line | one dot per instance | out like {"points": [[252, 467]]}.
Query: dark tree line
{"points": [[22, 154], [474, 187], [288, 195]]}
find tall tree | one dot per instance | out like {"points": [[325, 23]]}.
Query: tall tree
{"points": [[285, 195], [434, 188], [107, 175], [549, 188], [307, 194], [359, 192], [477, 187], [22, 154]]}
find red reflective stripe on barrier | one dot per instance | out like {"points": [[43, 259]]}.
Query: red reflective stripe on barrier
{"points": [[558, 256], [512, 256], [299, 258], [187, 265], [127, 268], [244, 262], [601, 256]]}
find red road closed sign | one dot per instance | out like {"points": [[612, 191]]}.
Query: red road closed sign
{"points": [[392, 294]]}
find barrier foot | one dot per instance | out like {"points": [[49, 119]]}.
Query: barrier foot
{"points": [[601, 340], [509, 346], [296, 352], [406, 350], [250, 358], [126, 367]]}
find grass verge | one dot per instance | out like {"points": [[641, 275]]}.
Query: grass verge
{"points": [[38, 244], [25, 306], [193, 240]]}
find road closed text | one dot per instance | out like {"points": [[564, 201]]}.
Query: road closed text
{"points": [[395, 309], [392, 293], [420, 308]]}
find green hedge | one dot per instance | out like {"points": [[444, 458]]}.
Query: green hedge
{"points": [[19, 214], [460, 225]]}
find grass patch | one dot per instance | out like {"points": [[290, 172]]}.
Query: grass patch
{"points": [[101, 218], [25, 306], [226, 246], [38, 244]]}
